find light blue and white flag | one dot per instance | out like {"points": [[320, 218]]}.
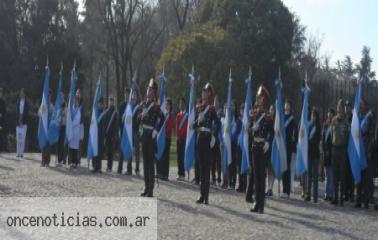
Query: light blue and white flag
{"points": [[302, 147], [127, 131], [227, 128], [43, 124], [279, 156], [93, 128], [191, 134], [54, 126], [161, 137], [71, 102], [356, 148], [244, 135]]}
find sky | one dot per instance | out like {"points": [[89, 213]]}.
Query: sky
{"points": [[344, 26]]}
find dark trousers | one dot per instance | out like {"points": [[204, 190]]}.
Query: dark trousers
{"points": [[259, 173], [180, 157], [205, 156], [313, 177], [46, 155], [74, 156], [164, 171], [216, 168], [197, 173], [362, 189], [148, 151], [109, 152], [233, 166], [242, 177], [250, 183], [60, 147], [339, 165], [286, 176], [3, 142], [349, 180]]}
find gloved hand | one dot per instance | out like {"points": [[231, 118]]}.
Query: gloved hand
{"points": [[154, 134], [255, 127], [212, 141], [266, 147]]}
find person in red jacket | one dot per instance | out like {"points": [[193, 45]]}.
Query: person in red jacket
{"points": [[164, 166], [181, 127]]}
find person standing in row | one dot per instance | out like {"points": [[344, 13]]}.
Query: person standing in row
{"points": [[216, 166], [291, 141], [262, 135], [46, 154], [22, 112], [367, 131], [74, 143], [61, 149], [136, 139], [205, 118], [110, 131], [236, 126], [181, 129], [340, 132], [151, 119], [327, 154], [349, 180], [164, 171], [242, 177], [313, 156], [121, 122]]}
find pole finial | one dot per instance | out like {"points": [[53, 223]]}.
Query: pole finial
{"points": [[47, 60]]}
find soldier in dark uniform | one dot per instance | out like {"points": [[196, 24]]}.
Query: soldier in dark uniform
{"points": [[207, 125], [110, 131], [340, 132], [151, 119], [262, 133], [327, 154], [366, 185]]}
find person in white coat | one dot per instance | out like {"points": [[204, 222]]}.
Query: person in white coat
{"points": [[76, 137], [22, 118]]}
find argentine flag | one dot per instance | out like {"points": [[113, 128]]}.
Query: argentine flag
{"points": [[71, 102], [227, 128], [302, 147], [279, 156], [54, 127], [244, 135], [127, 131], [356, 148], [43, 124], [93, 129], [190, 136], [161, 137]]}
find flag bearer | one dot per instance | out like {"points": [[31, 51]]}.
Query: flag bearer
{"points": [[110, 131], [206, 116], [151, 119], [181, 128], [262, 132], [74, 143]]}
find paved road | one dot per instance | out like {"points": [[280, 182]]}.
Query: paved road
{"points": [[226, 217]]}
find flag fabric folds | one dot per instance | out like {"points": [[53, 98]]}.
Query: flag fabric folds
{"points": [[161, 137], [190, 136], [93, 129], [244, 135], [279, 156], [356, 148], [302, 147], [227, 128], [43, 124], [127, 130], [54, 126], [71, 102]]}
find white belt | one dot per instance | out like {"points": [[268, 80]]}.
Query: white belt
{"points": [[147, 127], [258, 140], [204, 129]]}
